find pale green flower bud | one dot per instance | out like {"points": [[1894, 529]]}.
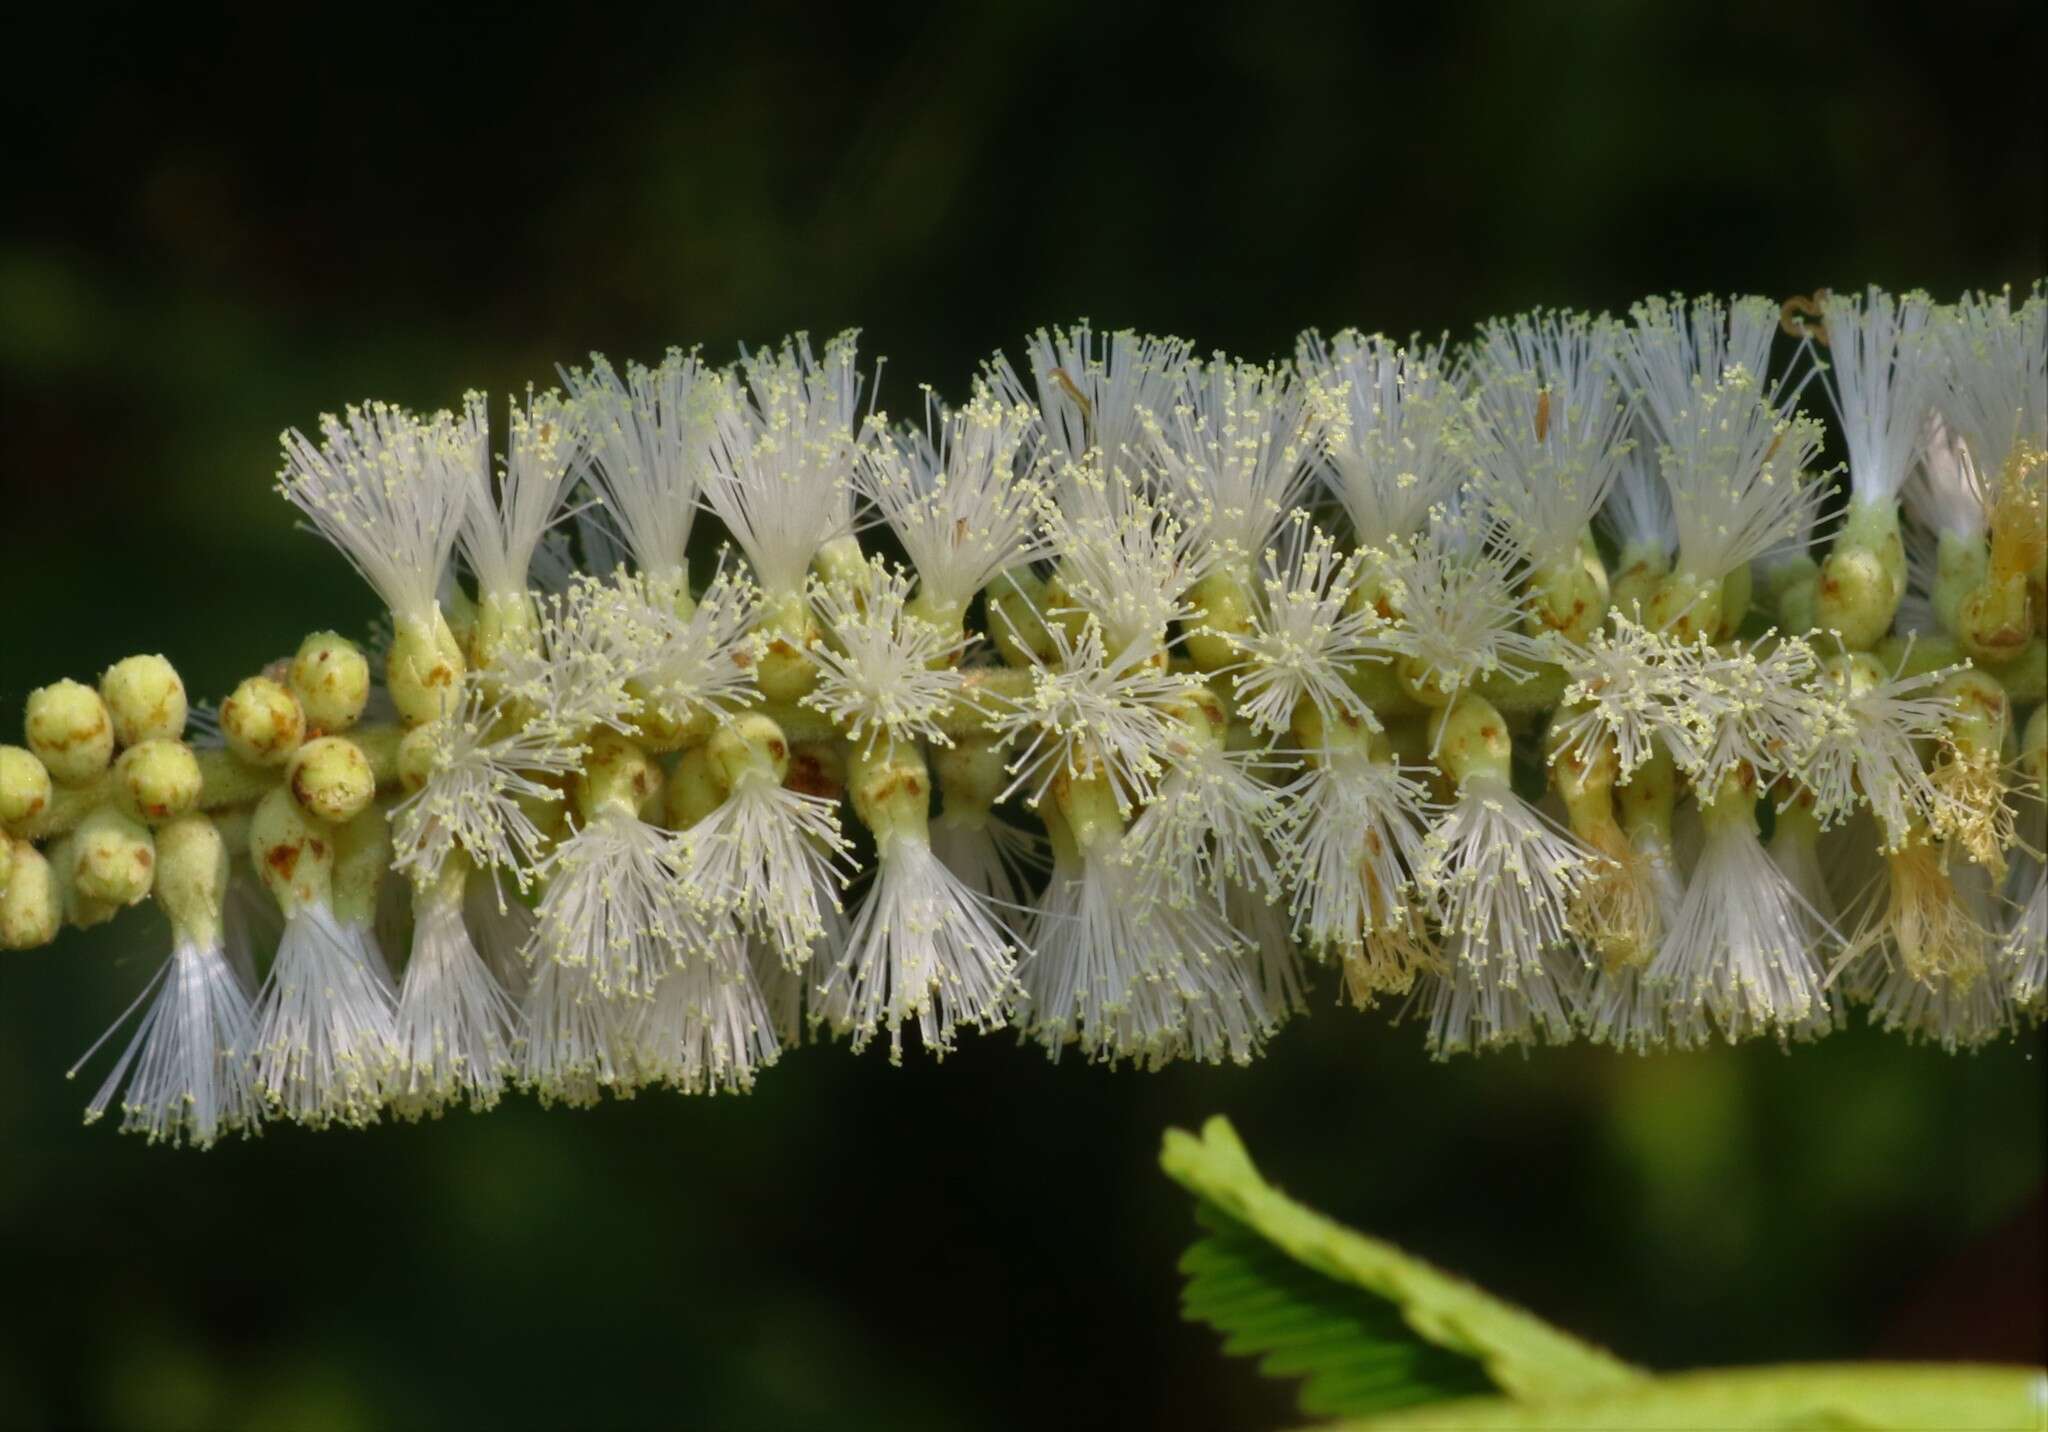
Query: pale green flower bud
{"points": [[693, 790], [331, 779], [31, 900], [786, 670], [616, 774], [160, 778], [973, 772], [1568, 597], [818, 768], [6, 858], [70, 731], [330, 676], [146, 697], [24, 785], [418, 753], [1688, 607], [1015, 625], [362, 860], [113, 857], [292, 852], [1223, 609], [751, 744], [262, 722], [1088, 805], [1472, 739], [892, 790], [192, 877], [2034, 750], [425, 670], [1863, 577]]}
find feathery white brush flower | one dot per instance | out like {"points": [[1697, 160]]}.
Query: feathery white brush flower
{"points": [[187, 1067], [708, 1028], [1750, 706], [767, 854], [579, 1043], [325, 1036], [1234, 449], [573, 677], [781, 470], [483, 778], [1210, 818], [1471, 1008], [1395, 444], [1461, 615], [1504, 884], [1126, 559], [457, 1028], [1639, 517], [1307, 637], [885, 673], [1868, 748], [962, 496], [615, 898], [1996, 393], [1354, 850], [1673, 349], [1094, 390], [1625, 691], [1741, 944], [924, 949], [1553, 428], [1881, 374], [650, 437], [325, 1033], [503, 530], [1737, 471], [1088, 709], [696, 664], [378, 487]]}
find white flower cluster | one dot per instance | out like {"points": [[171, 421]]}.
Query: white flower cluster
{"points": [[1544, 687]]}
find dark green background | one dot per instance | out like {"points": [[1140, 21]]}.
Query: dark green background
{"points": [[222, 229]]}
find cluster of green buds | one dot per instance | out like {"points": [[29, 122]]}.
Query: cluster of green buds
{"points": [[1542, 689]]}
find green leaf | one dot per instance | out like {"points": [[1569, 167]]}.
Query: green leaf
{"points": [[1867, 1397], [1369, 1327], [1396, 1345]]}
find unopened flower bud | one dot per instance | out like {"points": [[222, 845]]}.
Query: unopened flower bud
{"points": [[786, 670], [160, 779], [262, 722], [331, 779], [419, 751], [292, 852], [362, 860], [424, 671], [70, 731], [616, 774], [749, 745], [330, 676], [79, 910], [7, 844], [192, 876], [1224, 605], [146, 698], [693, 790], [24, 785], [1472, 739], [31, 900], [891, 789], [113, 857]]}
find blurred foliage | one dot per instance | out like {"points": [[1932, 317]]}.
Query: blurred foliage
{"points": [[218, 228]]}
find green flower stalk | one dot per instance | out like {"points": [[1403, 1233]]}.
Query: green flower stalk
{"points": [[1109, 705]]}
